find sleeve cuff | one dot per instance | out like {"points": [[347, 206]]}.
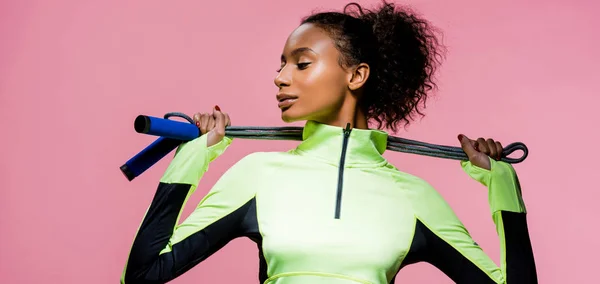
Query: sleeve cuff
{"points": [[192, 159], [504, 190]]}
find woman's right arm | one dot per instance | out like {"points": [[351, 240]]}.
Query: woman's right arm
{"points": [[163, 250]]}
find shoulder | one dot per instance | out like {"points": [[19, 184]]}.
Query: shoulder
{"points": [[243, 177], [407, 181], [236, 183], [256, 159], [255, 164], [423, 195]]}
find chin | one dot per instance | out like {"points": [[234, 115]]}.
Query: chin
{"points": [[289, 116], [286, 118]]}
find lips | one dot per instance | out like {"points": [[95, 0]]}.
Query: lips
{"points": [[286, 100]]}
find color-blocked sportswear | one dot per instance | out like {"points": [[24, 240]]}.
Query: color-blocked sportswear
{"points": [[332, 210]]}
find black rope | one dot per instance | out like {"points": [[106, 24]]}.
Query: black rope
{"points": [[396, 144]]}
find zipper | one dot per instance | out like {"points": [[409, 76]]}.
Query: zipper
{"points": [[340, 185]]}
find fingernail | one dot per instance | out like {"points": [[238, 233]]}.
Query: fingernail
{"points": [[218, 108]]}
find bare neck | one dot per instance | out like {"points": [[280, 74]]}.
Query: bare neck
{"points": [[349, 112]]}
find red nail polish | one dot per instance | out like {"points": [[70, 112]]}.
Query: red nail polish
{"points": [[218, 108]]}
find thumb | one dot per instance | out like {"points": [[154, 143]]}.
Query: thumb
{"points": [[220, 120], [468, 145]]}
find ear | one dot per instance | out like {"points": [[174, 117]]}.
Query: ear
{"points": [[358, 77]]}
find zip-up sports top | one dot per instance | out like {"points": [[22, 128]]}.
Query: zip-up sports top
{"points": [[332, 210]]}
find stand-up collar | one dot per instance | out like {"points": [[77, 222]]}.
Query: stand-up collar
{"points": [[365, 146]]}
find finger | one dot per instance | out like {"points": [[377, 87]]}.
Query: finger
{"points": [[204, 123], [228, 120], [211, 123], [492, 146], [467, 145], [197, 118], [482, 146], [217, 114], [221, 120], [500, 149]]}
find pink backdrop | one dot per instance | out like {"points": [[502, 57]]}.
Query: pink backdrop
{"points": [[74, 74]]}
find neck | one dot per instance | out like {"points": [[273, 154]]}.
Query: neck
{"points": [[349, 113]]}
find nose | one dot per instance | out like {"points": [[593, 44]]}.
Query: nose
{"points": [[283, 78]]}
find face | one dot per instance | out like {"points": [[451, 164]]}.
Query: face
{"points": [[312, 84]]}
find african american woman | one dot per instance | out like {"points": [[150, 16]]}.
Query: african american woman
{"points": [[333, 209]]}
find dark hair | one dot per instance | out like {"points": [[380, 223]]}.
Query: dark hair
{"points": [[401, 50]]}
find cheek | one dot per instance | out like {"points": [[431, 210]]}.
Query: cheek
{"points": [[324, 85]]}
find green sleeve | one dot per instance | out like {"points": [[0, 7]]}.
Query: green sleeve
{"points": [[504, 190]]}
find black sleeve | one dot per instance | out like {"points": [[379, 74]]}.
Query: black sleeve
{"points": [[159, 253]]}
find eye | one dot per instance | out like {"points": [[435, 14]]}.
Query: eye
{"points": [[303, 65]]}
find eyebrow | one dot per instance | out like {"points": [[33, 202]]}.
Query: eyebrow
{"points": [[298, 51]]}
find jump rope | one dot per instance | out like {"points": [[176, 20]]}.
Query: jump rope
{"points": [[172, 133]]}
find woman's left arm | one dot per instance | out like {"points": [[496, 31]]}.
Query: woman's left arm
{"points": [[442, 240], [506, 206]]}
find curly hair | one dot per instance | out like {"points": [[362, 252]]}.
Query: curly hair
{"points": [[401, 49]]}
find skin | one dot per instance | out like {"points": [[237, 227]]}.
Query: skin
{"points": [[324, 91]]}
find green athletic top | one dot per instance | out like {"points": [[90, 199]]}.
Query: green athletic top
{"points": [[332, 210]]}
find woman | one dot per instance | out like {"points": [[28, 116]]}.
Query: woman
{"points": [[333, 210]]}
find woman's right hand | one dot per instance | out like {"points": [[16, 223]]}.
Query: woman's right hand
{"points": [[212, 123]]}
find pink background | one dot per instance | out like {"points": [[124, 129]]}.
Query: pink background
{"points": [[74, 74]]}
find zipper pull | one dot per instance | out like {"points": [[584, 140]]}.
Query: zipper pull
{"points": [[347, 130]]}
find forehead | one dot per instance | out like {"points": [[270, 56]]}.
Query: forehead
{"points": [[311, 36]]}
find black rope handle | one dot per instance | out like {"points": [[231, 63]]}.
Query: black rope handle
{"points": [[396, 144]]}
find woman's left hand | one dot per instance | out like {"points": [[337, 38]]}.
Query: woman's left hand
{"points": [[481, 150]]}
